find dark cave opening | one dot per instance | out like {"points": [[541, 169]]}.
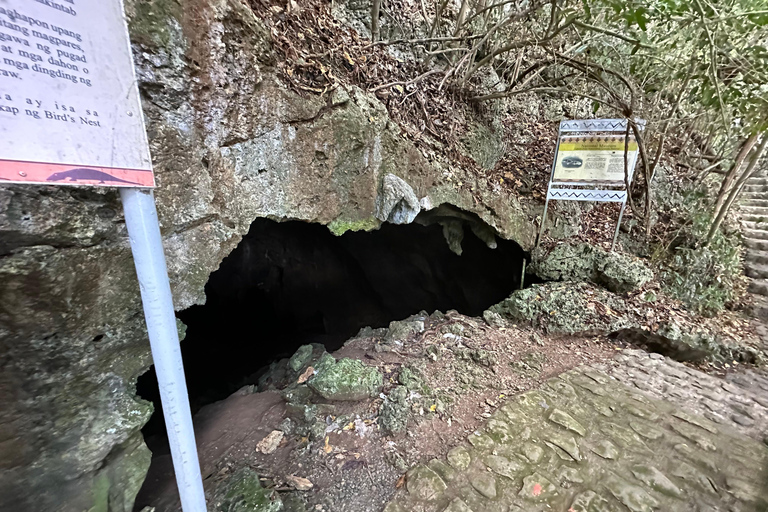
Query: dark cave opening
{"points": [[292, 283]]}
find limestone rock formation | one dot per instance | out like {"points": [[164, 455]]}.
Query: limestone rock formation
{"points": [[396, 202], [570, 308], [230, 143], [617, 272]]}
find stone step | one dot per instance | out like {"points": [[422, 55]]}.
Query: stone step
{"points": [[754, 217], [755, 202], [759, 286], [758, 180], [756, 234], [760, 307], [754, 194], [752, 188], [756, 210], [760, 245], [756, 271], [756, 257], [761, 223]]}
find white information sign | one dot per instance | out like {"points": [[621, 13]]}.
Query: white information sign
{"points": [[591, 153], [69, 104]]}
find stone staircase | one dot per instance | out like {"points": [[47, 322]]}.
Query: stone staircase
{"points": [[754, 221]]}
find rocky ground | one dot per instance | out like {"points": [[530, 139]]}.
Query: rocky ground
{"points": [[445, 412], [353, 423], [638, 433]]}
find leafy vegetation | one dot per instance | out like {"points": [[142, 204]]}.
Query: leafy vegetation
{"points": [[705, 278]]}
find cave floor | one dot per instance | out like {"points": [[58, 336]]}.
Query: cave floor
{"points": [[510, 419]]}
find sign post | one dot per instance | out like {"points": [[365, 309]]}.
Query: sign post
{"points": [[70, 114], [590, 154]]}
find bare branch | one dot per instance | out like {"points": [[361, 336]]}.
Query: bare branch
{"points": [[409, 82], [611, 33]]}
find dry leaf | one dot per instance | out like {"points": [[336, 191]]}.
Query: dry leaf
{"points": [[327, 448], [306, 375], [400, 482], [299, 483]]}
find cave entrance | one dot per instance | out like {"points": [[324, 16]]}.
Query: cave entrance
{"points": [[292, 283]]}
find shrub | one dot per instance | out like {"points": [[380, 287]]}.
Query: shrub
{"points": [[705, 278]]}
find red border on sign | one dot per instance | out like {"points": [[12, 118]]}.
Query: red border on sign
{"points": [[14, 171]]}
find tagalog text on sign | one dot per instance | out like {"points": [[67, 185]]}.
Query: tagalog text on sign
{"points": [[594, 158], [70, 112]]}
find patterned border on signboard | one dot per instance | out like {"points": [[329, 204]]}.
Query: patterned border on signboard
{"points": [[574, 194]]}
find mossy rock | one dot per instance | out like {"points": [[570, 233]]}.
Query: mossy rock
{"points": [[242, 492], [402, 330], [393, 415], [346, 379], [300, 358], [569, 308], [620, 273]]}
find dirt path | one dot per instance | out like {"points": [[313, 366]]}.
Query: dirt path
{"points": [[463, 370]]}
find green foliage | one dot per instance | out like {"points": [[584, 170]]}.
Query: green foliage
{"points": [[718, 48], [707, 278]]}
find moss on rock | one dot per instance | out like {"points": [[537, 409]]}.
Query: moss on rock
{"points": [[619, 273], [339, 226], [242, 492], [570, 308], [346, 379], [393, 415]]}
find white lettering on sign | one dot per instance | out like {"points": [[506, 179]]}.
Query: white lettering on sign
{"points": [[70, 112]]}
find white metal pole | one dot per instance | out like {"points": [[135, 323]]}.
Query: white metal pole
{"points": [[146, 244]]}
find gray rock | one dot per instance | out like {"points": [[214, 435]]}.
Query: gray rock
{"points": [[424, 484], [302, 356], [401, 330], [396, 202], [620, 273]]}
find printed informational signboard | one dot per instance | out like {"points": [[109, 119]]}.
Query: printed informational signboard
{"points": [[69, 104], [594, 159], [589, 164]]}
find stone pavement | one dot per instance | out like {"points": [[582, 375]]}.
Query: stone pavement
{"points": [[641, 433]]}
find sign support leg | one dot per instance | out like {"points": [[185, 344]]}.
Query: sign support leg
{"points": [[146, 244], [618, 224], [543, 221]]}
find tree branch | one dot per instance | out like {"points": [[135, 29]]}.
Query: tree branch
{"points": [[611, 33]]}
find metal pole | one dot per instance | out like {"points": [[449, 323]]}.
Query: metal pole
{"points": [[147, 247], [618, 224], [543, 220], [549, 185]]}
